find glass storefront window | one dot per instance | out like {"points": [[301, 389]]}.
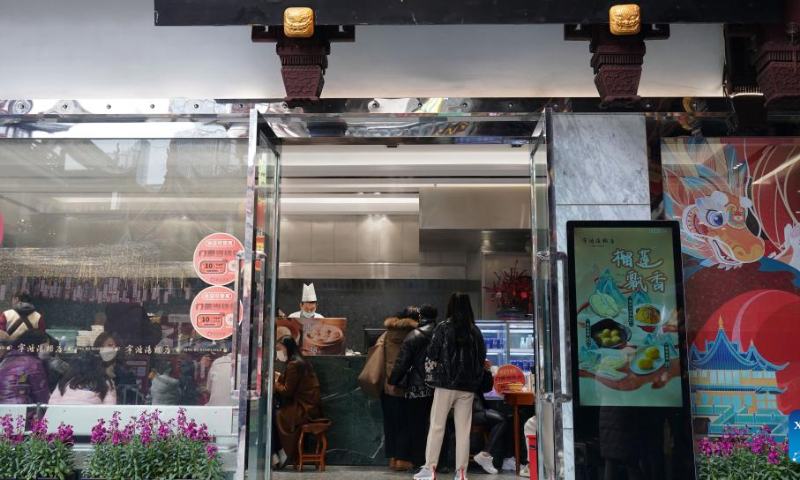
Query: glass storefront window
{"points": [[96, 251]]}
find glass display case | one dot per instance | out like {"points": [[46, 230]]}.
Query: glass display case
{"points": [[508, 343], [520, 344], [495, 336]]}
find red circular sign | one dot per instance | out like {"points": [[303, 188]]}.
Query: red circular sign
{"points": [[505, 375], [215, 258], [213, 311]]}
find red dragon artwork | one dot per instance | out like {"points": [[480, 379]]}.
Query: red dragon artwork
{"points": [[738, 203]]}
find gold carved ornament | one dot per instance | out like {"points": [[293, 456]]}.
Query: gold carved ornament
{"points": [[625, 19], [298, 22]]}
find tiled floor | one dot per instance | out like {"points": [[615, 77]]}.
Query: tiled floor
{"points": [[371, 473]]}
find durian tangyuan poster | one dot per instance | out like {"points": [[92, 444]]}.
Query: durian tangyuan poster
{"points": [[627, 317]]}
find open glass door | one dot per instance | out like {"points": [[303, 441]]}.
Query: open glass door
{"points": [[254, 342], [552, 374]]}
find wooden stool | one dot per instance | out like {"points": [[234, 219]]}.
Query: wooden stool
{"points": [[479, 430], [316, 428]]}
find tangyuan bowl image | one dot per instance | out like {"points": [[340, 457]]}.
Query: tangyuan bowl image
{"points": [[608, 333]]}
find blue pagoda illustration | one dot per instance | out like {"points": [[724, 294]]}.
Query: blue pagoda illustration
{"points": [[734, 387]]}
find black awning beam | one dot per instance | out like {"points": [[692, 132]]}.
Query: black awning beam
{"points": [[461, 12]]}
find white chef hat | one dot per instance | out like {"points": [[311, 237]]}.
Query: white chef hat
{"points": [[309, 294]]}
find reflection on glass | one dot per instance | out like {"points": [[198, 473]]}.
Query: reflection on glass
{"points": [[96, 254]]}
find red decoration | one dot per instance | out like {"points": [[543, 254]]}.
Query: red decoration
{"points": [[512, 289]]}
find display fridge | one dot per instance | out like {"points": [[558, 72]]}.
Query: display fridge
{"points": [[508, 342], [495, 336]]}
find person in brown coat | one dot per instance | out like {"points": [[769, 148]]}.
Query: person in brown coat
{"points": [[393, 402], [300, 398]]}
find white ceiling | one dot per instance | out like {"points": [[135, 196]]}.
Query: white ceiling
{"points": [[111, 49]]}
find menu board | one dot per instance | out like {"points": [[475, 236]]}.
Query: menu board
{"points": [[625, 282], [323, 336]]}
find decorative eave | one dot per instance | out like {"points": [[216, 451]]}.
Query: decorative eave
{"points": [[616, 59], [723, 354]]}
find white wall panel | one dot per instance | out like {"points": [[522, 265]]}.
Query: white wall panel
{"points": [[111, 49]]}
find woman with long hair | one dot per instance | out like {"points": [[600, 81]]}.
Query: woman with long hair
{"points": [[454, 367], [85, 383], [109, 347], [300, 397]]}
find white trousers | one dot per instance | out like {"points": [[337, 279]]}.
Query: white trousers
{"points": [[443, 401]]}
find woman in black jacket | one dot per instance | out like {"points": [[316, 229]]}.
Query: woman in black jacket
{"points": [[409, 374], [454, 367]]}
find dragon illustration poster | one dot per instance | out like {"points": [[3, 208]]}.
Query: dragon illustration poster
{"points": [[738, 204]]}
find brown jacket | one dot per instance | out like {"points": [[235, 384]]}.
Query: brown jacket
{"points": [[396, 331], [301, 402]]}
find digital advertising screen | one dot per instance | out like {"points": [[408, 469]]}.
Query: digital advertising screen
{"points": [[626, 313]]}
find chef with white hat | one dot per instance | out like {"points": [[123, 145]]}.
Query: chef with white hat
{"points": [[308, 305]]}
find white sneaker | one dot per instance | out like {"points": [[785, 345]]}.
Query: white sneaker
{"points": [[486, 462], [461, 474], [525, 471], [426, 473], [509, 465]]}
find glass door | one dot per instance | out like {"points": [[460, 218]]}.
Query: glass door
{"points": [[253, 345], [552, 374]]}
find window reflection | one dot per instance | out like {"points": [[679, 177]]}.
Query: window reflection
{"points": [[99, 235]]}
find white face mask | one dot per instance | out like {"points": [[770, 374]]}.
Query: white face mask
{"points": [[108, 353], [44, 355], [307, 314], [282, 356]]}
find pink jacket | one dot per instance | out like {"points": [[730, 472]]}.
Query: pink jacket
{"points": [[82, 397]]}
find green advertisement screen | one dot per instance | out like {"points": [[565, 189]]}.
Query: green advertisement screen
{"points": [[625, 309]]}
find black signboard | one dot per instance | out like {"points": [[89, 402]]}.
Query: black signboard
{"points": [[629, 355], [459, 12]]}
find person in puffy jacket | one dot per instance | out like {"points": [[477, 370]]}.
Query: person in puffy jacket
{"points": [[393, 401], [85, 383], [409, 372], [22, 375], [454, 367], [22, 317]]}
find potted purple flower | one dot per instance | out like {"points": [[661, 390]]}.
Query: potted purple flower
{"points": [[38, 455], [743, 455], [149, 448], [12, 433]]}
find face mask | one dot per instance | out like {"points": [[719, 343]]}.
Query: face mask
{"points": [[108, 353], [307, 314], [282, 356], [44, 355]]}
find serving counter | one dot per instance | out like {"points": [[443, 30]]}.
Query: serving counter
{"points": [[356, 433]]}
